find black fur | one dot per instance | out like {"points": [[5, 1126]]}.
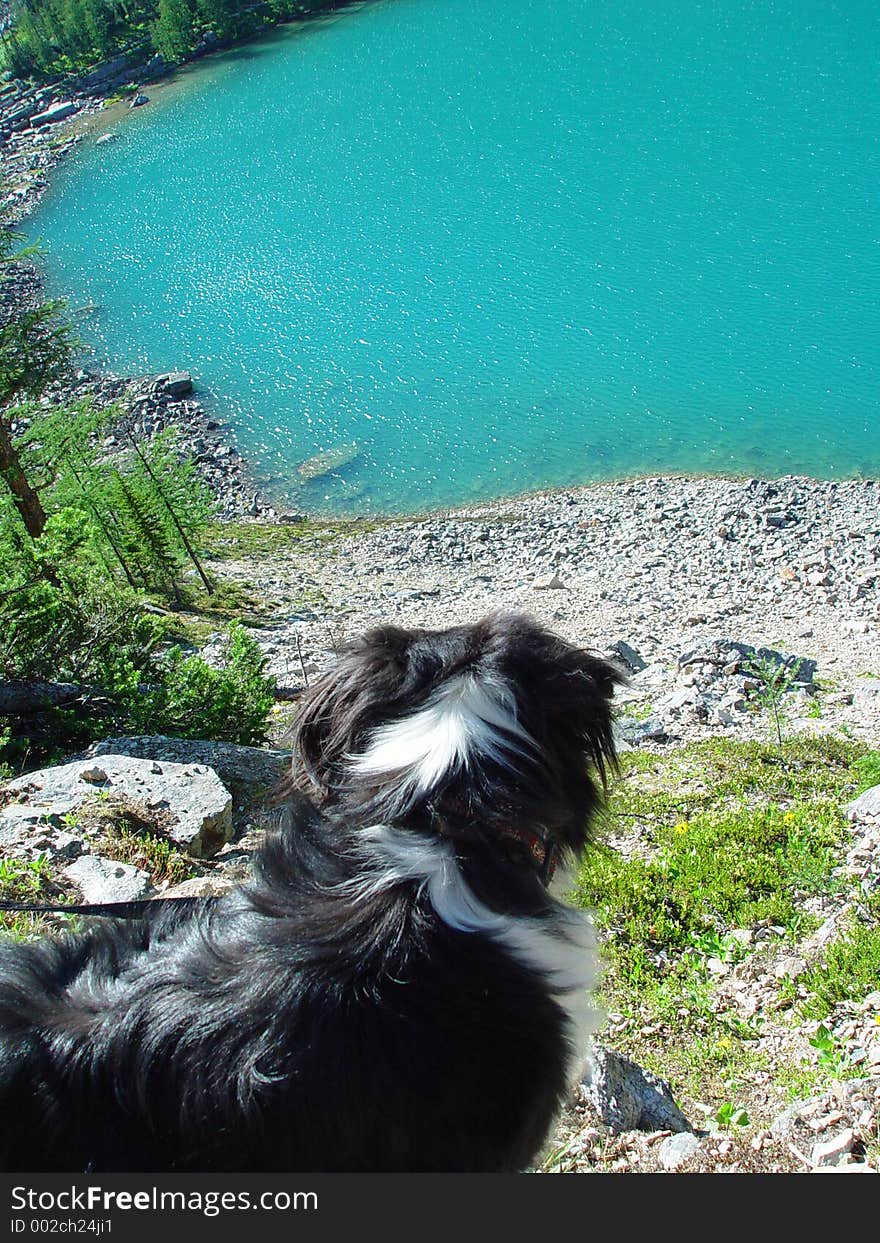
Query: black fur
{"points": [[308, 1021]]}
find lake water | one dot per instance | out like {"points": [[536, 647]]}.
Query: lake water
{"points": [[501, 247]]}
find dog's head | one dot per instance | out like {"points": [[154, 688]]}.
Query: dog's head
{"points": [[470, 732]]}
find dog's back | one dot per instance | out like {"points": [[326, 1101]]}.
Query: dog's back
{"points": [[276, 1031], [394, 990]]}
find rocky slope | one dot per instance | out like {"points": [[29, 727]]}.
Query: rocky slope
{"points": [[669, 567]]}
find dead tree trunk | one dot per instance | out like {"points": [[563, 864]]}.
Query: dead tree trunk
{"points": [[28, 503]]}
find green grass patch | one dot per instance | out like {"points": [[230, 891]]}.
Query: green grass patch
{"points": [[26, 881], [673, 787], [228, 602], [229, 541], [718, 836], [731, 837], [867, 768], [850, 969]]}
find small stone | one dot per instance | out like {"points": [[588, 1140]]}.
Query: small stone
{"points": [[675, 1150], [790, 967], [629, 656], [548, 582], [830, 1151], [94, 776]]}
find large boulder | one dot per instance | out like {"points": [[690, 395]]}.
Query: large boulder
{"points": [[188, 802], [102, 75], [58, 112], [247, 771]]}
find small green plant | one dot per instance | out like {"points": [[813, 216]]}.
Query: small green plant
{"points": [[744, 1029], [729, 1116], [787, 993], [22, 880], [774, 680], [712, 944], [832, 1058], [5, 737], [147, 851]]}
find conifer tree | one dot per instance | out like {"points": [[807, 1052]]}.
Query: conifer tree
{"points": [[35, 347], [144, 535], [173, 32], [219, 15]]}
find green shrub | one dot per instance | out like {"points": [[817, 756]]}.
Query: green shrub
{"points": [[867, 769], [196, 700], [850, 969]]}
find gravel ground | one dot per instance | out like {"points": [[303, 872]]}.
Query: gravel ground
{"points": [[669, 566]]}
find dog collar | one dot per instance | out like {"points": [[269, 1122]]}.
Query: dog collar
{"points": [[542, 851]]}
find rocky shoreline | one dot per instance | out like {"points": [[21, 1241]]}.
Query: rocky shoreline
{"points": [[669, 573], [39, 127], [149, 404]]}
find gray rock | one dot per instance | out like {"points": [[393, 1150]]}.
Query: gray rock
{"points": [[866, 806], [189, 801], [201, 887], [629, 656], [676, 1149], [790, 967], [102, 74], [177, 384], [105, 880], [25, 834], [635, 732], [248, 769], [58, 112], [628, 1098], [725, 654], [830, 1151]]}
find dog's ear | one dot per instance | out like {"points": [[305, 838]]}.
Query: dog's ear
{"points": [[337, 714], [564, 702]]}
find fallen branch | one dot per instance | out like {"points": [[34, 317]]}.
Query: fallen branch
{"points": [[26, 698]]}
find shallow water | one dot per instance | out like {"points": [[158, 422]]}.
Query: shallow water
{"points": [[503, 247]]}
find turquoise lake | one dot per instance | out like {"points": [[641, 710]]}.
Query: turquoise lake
{"points": [[503, 247]]}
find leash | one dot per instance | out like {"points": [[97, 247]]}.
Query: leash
{"points": [[109, 910]]}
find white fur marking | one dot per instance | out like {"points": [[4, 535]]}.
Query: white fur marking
{"points": [[462, 718], [562, 948]]}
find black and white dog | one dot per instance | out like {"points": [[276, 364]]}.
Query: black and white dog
{"points": [[394, 989]]}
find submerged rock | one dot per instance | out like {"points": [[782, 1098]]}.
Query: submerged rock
{"points": [[329, 460]]}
